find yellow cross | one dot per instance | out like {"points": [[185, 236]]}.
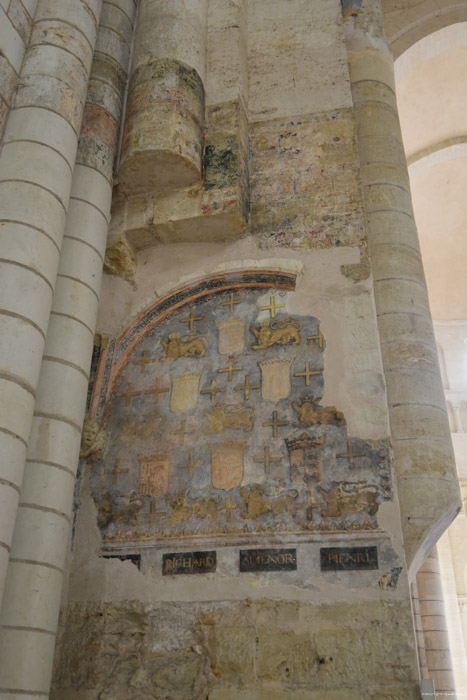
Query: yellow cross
{"points": [[232, 302], [116, 471], [272, 307], [228, 508], [191, 464], [275, 423], [182, 432], [152, 515], [350, 454], [307, 373], [143, 362], [156, 391], [191, 319], [230, 369], [247, 387], [319, 337], [213, 391], [128, 394], [267, 461]]}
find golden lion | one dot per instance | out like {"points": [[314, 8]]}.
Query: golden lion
{"points": [[185, 346], [235, 417], [276, 332], [259, 504], [182, 510], [312, 414], [350, 498]]}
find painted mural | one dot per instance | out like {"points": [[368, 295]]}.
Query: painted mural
{"points": [[218, 430]]}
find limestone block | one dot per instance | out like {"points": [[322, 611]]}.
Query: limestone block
{"points": [[415, 385], [54, 443], [20, 19], [82, 306], [81, 261], [381, 148], [52, 130], [420, 456], [48, 488], [58, 403], [406, 327], [400, 353], [286, 656], [163, 137], [78, 17], [390, 261], [109, 42], [8, 79], [86, 224], [33, 672], [66, 339], [21, 346], [106, 86], [39, 607], [29, 543], [28, 304], [115, 18], [420, 421], [14, 450], [11, 42], [120, 259], [231, 652], [98, 140]]}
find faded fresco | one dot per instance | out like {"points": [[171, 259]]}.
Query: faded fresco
{"points": [[217, 430]]}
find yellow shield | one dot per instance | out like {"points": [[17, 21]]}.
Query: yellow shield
{"points": [[275, 383], [231, 335], [185, 393], [227, 465], [154, 475]]}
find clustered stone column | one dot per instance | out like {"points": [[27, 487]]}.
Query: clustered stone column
{"points": [[29, 616], [433, 617], [36, 167], [423, 456]]}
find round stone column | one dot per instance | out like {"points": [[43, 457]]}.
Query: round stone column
{"points": [[163, 138], [424, 463], [36, 166], [433, 616], [29, 615]]}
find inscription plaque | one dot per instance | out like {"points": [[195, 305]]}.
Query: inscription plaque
{"points": [[188, 563], [268, 560], [348, 558]]}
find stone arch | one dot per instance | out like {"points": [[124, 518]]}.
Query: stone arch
{"points": [[408, 21]]}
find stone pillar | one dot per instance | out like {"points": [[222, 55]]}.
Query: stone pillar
{"points": [[438, 654], [418, 625], [29, 615], [36, 166], [163, 140], [423, 456]]}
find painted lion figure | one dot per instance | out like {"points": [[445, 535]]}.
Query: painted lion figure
{"points": [[183, 509], [225, 417], [276, 332], [184, 346]]}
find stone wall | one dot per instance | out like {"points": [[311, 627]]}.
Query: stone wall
{"points": [[277, 192]]}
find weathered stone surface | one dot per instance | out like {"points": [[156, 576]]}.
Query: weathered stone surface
{"points": [[120, 260], [243, 650]]}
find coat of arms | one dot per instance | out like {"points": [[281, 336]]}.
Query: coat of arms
{"points": [[306, 463], [227, 465], [154, 475]]}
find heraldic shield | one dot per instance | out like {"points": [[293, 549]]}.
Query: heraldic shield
{"points": [[154, 475], [227, 464], [306, 463]]}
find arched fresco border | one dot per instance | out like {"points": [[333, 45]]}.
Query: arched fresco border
{"points": [[116, 354]]}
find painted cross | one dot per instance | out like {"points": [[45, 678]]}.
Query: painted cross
{"points": [[232, 302], [272, 307], [319, 337], [307, 373], [128, 394], [247, 387], [275, 423], [230, 369], [213, 391], [350, 454], [181, 432], [191, 319], [191, 464], [267, 460], [228, 508], [116, 471], [152, 515], [143, 362], [156, 391]]}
